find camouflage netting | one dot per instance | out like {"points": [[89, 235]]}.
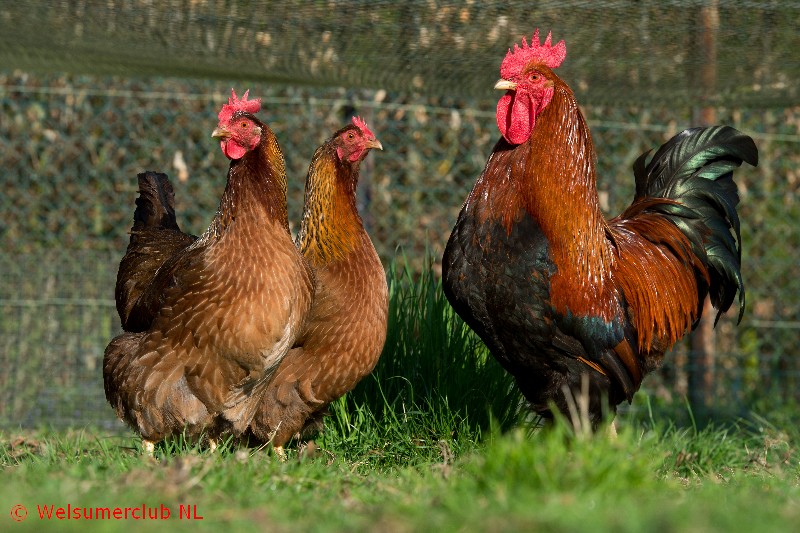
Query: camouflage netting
{"points": [[93, 92], [726, 52]]}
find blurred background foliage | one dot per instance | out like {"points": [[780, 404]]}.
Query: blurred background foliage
{"points": [[93, 92]]}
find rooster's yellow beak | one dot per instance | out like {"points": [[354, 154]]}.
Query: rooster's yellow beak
{"points": [[505, 85]]}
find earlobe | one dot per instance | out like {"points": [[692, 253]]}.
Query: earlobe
{"points": [[546, 97], [256, 138]]}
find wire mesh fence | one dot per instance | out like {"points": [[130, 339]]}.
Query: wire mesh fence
{"points": [[647, 50], [72, 146]]}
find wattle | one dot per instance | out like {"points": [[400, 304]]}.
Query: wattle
{"points": [[516, 117], [231, 149]]}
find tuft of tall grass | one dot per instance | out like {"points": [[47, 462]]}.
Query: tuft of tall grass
{"points": [[435, 379]]}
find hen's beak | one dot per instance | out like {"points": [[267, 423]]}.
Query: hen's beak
{"points": [[505, 85], [220, 133], [374, 143]]}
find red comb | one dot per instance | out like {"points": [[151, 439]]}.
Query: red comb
{"points": [[360, 124], [546, 53], [235, 104]]}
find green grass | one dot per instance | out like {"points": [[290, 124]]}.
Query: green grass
{"points": [[739, 478], [434, 440], [435, 380]]}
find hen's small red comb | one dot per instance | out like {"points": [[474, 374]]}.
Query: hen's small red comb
{"points": [[546, 53], [360, 124], [235, 104]]}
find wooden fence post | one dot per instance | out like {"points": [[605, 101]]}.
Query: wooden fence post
{"points": [[702, 356]]}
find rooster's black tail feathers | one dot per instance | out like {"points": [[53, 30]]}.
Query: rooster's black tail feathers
{"points": [[695, 168]]}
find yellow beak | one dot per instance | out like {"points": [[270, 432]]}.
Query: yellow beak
{"points": [[505, 85], [375, 143], [220, 133]]}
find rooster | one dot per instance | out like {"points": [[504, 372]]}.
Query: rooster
{"points": [[346, 329], [571, 304], [208, 319]]}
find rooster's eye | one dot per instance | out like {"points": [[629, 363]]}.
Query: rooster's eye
{"points": [[350, 135], [244, 124], [534, 77]]}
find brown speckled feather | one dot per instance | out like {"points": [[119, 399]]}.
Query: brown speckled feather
{"points": [[231, 305], [346, 330]]}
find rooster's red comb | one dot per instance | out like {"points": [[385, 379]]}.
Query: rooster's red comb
{"points": [[546, 53], [235, 104], [360, 124]]}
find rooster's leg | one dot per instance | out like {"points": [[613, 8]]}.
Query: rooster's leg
{"points": [[149, 447], [612, 430]]}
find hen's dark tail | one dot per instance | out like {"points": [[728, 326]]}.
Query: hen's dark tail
{"points": [[155, 238], [155, 206], [695, 169]]}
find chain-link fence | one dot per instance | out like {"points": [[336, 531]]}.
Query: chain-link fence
{"points": [[654, 51]]}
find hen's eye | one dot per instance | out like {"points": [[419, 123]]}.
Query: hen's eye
{"points": [[244, 124], [350, 135], [534, 77]]}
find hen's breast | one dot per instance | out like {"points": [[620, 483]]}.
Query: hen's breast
{"points": [[237, 299], [256, 292], [348, 327]]}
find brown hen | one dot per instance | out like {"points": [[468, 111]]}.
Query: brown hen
{"points": [[346, 330], [209, 319]]}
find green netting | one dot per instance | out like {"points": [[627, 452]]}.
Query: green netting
{"points": [[72, 143], [618, 51]]}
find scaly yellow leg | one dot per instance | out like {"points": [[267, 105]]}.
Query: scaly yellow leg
{"points": [[149, 447], [612, 430], [280, 453]]}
